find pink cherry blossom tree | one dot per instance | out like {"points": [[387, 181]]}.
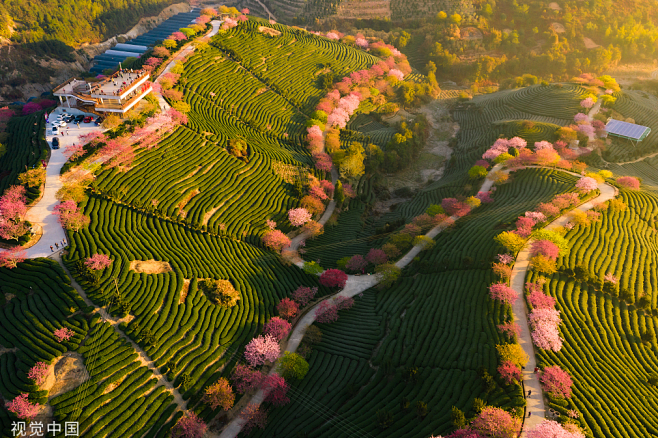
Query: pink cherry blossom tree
{"points": [[12, 204], [356, 264], [333, 278], [22, 407], [496, 423], [505, 258], [556, 382], [189, 426], [277, 327], [344, 303], [98, 262], [587, 103], [546, 248], [261, 350], [629, 182], [63, 334], [586, 184], [326, 313], [10, 258], [511, 329], [539, 300], [544, 325], [536, 216], [276, 240], [277, 390], [245, 378], [298, 216], [502, 292], [38, 373], [253, 417], [548, 209], [509, 372], [303, 295], [376, 256], [553, 429], [287, 308]]}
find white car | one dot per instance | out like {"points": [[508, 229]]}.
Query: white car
{"points": [[60, 123], [55, 130]]}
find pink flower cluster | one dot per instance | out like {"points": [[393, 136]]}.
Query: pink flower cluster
{"points": [[546, 248], [586, 184], [277, 327], [361, 42], [511, 329], [538, 299], [261, 350], [333, 36], [541, 145], [629, 182], [485, 197], [556, 382], [298, 216], [553, 429], [38, 373], [610, 277], [536, 216], [505, 258], [346, 107], [587, 103], [63, 334], [303, 295], [229, 23], [98, 262], [502, 292], [544, 324], [397, 74]]}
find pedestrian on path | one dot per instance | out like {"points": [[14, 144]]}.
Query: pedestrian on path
{"points": [[51, 249], [529, 414], [64, 240], [56, 245], [536, 369], [529, 393]]}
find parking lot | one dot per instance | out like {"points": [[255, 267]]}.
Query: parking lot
{"points": [[69, 134]]}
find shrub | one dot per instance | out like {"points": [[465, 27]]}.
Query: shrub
{"points": [[333, 278]]}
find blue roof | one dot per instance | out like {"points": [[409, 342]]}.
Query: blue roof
{"points": [[628, 130]]}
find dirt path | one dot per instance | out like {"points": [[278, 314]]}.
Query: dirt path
{"points": [[270, 15], [142, 356], [535, 403]]}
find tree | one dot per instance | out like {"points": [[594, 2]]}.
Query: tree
{"points": [[276, 388], [245, 378], [292, 366], [22, 407], [496, 423], [586, 184], [98, 262], [63, 334], [352, 165], [389, 274], [502, 292], [509, 372], [33, 177], [111, 121], [261, 350], [12, 257], [553, 236], [457, 417], [456, 18], [511, 241], [326, 313], [333, 278], [12, 204], [277, 328], [425, 242], [543, 264], [38, 373], [648, 336], [513, 353], [376, 256], [356, 263], [477, 172], [339, 195], [276, 240], [553, 429], [312, 268], [556, 382], [287, 308], [303, 295], [253, 417], [221, 292], [629, 182], [219, 394], [544, 323], [189, 426]]}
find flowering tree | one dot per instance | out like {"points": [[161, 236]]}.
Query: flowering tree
{"points": [[556, 382], [485, 197], [544, 324], [12, 257], [536, 216], [513, 353], [548, 209], [545, 248], [541, 145], [245, 378], [276, 240], [298, 216], [38, 373], [277, 390], [629, 182], [511, 241], [586, 184], [70, 217], [509, 372], [565, 200], [524, 226], [397, 74], [610, 277], [333, 278], [505, 258], [292, 366], [580, 117], [496, 423], [356, 264], [270, 224], [189, 426], [262, 349], [376, 256], [553, 429], [219, 394], [253, 417], [539, 300], [12, 204], [98, 262], [454, 208], [22, 407], [63, 334], [326, 312], [511, 329], [587, 103], [361, 42], [178, 36], [303, 295], [287, 308], [502, 292], [277, 327]]}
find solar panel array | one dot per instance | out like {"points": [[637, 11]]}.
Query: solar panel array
{"points": [[135, 47], [625, 129]]}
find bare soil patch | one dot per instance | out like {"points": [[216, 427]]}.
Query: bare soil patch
{"points": [[185, 290], [589, 44], [558, 28], [150, 266], [66, 373], [268, 31], [554, 6]]}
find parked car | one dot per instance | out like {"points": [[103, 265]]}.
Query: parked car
{"points": [[87, 119], [79, 118], [99, 120], [60, 123], [70, 119], [55, 143], [55, 130]]}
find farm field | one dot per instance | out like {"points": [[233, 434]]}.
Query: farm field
{"points": [[437, 318], [603, 347]]}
